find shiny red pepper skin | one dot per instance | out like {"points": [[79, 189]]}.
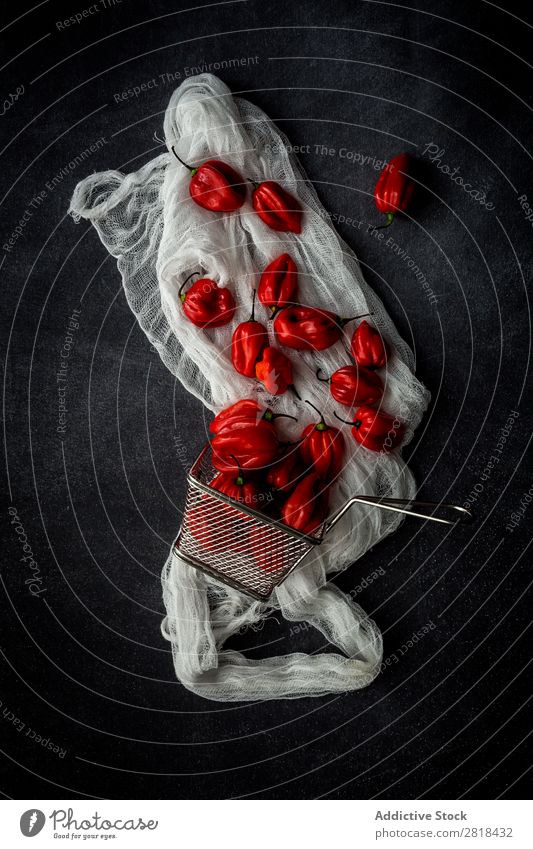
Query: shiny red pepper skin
{"points": [[307, 328], [215, 185], [351, 386], [278, 285], [305, 508], [368, 347], [376, 430], [322, 448], [286, 472], [237, 488], [395, 187], [277, 208], [245, 447], [274, 371], [247, 344], [246, 412], [207, 305]]}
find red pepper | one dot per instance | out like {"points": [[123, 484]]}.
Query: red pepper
{"points": [[305, 509], [277, 208], [247, 446], [368, 347], [308, 328], [286, 472], [322, 448], [207, 305], [247, 344], [278, 285], [394, 188], [274, 371], [351, 385], [375, 430], [237, 488], [215, 185], [246, 412]]}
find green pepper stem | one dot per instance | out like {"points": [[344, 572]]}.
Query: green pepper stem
{"points": [[322, 379], [182, 297], [344, 321], [390, 219], [239, 480], [252, 317], [191, 169], [322, 422], [356, 423]]}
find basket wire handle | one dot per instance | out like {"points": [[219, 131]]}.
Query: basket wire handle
{"points": [[410, 508]]}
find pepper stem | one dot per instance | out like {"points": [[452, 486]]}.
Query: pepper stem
{"points": [[191, 169], [356, 423], [344, 321], [390, 219], [182, 297], [239, 480], [252, 317], [295, 392], [273, 416], [321, 422], [322, 379]]}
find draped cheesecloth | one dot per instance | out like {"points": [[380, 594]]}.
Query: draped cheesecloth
{"points": [[148, 221]]}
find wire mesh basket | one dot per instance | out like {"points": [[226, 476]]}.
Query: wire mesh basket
{"points": [[253, 552]]}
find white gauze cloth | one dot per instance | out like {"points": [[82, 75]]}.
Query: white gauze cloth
{"points": [[148, 221]]}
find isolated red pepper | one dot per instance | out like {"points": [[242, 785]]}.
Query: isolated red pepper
{"points": [[247, 446], [286, 472], [305, 508], [395, 187], [274, 371], [351, 385], [215, 185], [207, 305], [322, 448], [308, 328], [244, 413], [247, 344], [368, 347], [375, 430], [237, 488], [277, 208], [278, 285]]}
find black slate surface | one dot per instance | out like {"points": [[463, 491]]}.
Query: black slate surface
{"points": [[84, 666]]}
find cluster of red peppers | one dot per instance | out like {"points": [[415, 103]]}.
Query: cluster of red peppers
{"points": [[253, 466]]}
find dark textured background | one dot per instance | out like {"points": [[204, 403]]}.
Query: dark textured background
{"points": [[84, 663]]}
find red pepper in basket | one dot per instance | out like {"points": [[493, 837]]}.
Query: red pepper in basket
{"points": [[277, 208], [215, 185], [394, 188], [237, 488], [247, 344], [278, 285], [305, 508], [274, 371], [247, 446], [308, 328], [286, 472], [246, 412], [207, 305], [368, 347], [322, 448], [351, 385], [375, 430]]}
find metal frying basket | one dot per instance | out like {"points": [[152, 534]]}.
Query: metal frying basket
{"points": [[251, 551]]}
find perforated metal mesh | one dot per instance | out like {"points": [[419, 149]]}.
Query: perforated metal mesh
{"points": [[249, 552]]}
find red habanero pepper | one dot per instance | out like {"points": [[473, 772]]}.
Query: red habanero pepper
{"points": [[394, 188], [308, 328], [207, 305], [215, 185], [322, 448], [278, 286], [277, 208], [305, 508], [247, 344], [237, 488], [368, 347], [352, 385], [286, 472], [252, 446], [375, 430], [274, 371], [244, 413]]}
